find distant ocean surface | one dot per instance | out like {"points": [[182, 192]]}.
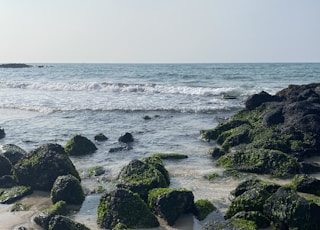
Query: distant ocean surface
{"points": [[52, 103]]}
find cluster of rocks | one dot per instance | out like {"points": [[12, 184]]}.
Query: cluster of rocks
{"points": [[273, 134], [143, 193], [258, 204]]}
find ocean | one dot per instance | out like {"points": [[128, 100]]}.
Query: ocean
{"points": [[50, 103]]}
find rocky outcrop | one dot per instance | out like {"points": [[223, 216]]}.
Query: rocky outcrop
{"points": [[67, 188], [41, 167], [15, 65], [171, 203], [126, 208], [273, 134], [79, 145]]}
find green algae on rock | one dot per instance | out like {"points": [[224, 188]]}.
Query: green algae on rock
{"points": [[79, 145], [306, 184], [126, 208], [10, 195]]}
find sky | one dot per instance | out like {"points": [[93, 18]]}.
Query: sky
{"points": [[159, 31]]}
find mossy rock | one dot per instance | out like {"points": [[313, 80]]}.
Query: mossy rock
{"points": [[171, 203], [261, 161], [10, 195], [96, 171], [255, 183], [41, 167], [43, 218], [142, 176], [126, 208], [251, 200], [285, 208], [59, 222], [231, 224], [306, 184], [100, 137], [257, 217], [67, 188], [203, 208], [79, 145], [170, 156]]}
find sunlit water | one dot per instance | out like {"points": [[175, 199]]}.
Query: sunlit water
{"points": [[52, 104]]}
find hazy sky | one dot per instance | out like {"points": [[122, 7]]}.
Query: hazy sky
{"points": [[167, 31]]}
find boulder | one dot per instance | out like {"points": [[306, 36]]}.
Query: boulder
{"points": [[79, 145], [257, 217], [13, 152], [290, 211], [41, 167], [231, 224], [7, 181], [254, 183], [126, 138], [42, 219], [125, 208], [67, 188], [59, 222], [171, 203], [306, 184], [140, 176], [203, 208], [5, 166]]}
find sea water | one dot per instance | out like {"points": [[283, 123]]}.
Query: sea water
{"points": [[50, 103]]}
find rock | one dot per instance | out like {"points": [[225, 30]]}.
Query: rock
{"points": [[43, 219], [79, 145], [273, 117], [15, 65], [13, 152], [231, 224], [251, 200], [216, 152], [7, 181], [171, 203], [96, 171], [126, 208], [100, 137], [10, 195], [255, 183], [170, 156], [257, 217], [142, 176], [119, 149], [203, 208], [308, 168], [67, 188], [290, 211], [5, 166], [126, 138], [59, 222], [256, 100], [2, 133], [261, 161], [41, 167], [306, 184]]}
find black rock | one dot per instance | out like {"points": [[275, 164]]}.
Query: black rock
{"points": [[126, 138], [15, 65], [256, 100]]}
